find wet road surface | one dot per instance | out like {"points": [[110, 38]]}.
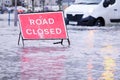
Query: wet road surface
{"points": [[94, 54]]}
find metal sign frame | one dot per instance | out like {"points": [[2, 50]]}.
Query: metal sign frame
{"points": [[60, 42]]}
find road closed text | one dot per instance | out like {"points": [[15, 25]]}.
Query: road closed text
{"points": [[41, 21], [51, 31]]}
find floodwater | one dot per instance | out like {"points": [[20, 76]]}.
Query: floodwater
{"points": [[94, 54]]}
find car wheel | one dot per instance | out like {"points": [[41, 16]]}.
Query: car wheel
{"points": [[99, 22]]}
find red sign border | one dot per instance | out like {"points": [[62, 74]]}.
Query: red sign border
{"points": [[61, 42], [44, 39]]}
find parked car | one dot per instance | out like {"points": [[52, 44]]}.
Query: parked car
{"points": [[10, 9], [37, 9], [51, 7], [3, 10], [21, 9], [94, 12]]}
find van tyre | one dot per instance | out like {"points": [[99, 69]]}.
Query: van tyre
{"points": [[99, 22]]}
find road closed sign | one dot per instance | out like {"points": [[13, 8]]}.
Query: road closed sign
{"points": [[48, 25]]}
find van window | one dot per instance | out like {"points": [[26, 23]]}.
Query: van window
{"points": [[87, 1], [112, 2], [106, 3]]}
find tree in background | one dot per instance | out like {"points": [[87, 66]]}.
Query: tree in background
{"points": [[59, 2], [18, 2], [33, 5], [43, 4]]}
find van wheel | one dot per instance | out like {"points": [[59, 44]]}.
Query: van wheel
{"points": [[99, 22]]}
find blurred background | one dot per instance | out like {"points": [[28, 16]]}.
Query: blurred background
{"points": [[27, 6]]}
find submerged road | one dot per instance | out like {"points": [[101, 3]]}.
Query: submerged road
{"points": [[94, 54]]}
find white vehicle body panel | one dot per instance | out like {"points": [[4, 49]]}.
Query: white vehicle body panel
{"points": [[96, 11]]}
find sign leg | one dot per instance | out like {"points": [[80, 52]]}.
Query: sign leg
{"points": [[23, 41], [19, 38], [61, 42], [68, 41]]}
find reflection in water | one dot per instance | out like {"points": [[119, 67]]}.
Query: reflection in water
{"points": [[42, 67], [109, 63], [90, 39], [109, 67], [109, 49], [42, 49], [90, 67]]}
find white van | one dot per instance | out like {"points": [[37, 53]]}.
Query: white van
{"points": [[94, 12]]}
